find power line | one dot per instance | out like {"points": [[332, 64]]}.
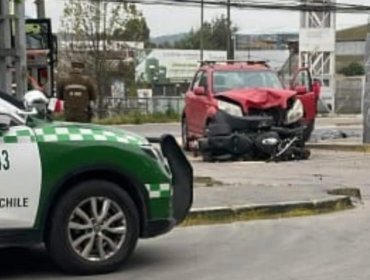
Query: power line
{"points": [[284, 5]]}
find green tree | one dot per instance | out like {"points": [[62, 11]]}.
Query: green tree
{"points": [[88, 30], [214, 36], [353, 69], [165, 45], [127, 69], [135, 28]]}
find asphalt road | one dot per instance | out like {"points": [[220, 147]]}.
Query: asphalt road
{"points": [[155, 130], [335, 246], [324, 132]]}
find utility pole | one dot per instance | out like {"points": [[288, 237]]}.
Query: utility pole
{"points": [[20, 47], [201, 31], [6, 53], [366, 97], [230, 55], [12, 57], [40, 7]]}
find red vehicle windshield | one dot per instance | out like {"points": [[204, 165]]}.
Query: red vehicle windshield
{"points": [[229, 80]]}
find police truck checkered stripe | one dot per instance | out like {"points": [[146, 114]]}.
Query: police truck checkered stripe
{"points": [[59, 134], [158, 190], [17, 135]]}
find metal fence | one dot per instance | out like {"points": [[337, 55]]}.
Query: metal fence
{"points": [[349, 95], [348, 100], [157, 104]]}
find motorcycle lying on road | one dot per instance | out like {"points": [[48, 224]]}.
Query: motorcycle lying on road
{"points": [[251, 138]]}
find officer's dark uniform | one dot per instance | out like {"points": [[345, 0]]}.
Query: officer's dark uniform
{"points": [[77, 91]]}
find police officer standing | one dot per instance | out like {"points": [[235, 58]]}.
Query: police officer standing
{"points": [[78, 92]]}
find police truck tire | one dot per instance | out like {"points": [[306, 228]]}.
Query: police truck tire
{"points": [[93, 229]]}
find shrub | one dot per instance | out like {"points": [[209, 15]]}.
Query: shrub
{"points": [[139, 118], [353, 69]]}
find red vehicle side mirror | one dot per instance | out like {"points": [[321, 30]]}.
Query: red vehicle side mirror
{"points": [[301, 89], [200, 91]]}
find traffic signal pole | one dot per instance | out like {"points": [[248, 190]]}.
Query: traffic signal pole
{"points": [[230, 55], [40, 8], [201, 31]]}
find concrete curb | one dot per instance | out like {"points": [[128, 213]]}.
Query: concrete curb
{"points": [[364, 148], [223, 215], [351, 192]]}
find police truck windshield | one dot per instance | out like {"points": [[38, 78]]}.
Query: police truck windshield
{"points": [[11, 100]]}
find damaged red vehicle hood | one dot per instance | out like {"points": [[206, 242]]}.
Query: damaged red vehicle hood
{"points": [[259, 98]]}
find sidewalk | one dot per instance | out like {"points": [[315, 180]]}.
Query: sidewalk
{"points": [[255, 195], [343, 135], [269, 190], [339, 120]]}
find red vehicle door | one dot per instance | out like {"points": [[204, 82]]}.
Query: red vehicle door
{"points": [[197, 101], [189, 103], [308, 92]]}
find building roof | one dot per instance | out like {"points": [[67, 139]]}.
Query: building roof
{"points": [[356, 33], [270, 31], [237, 66]]}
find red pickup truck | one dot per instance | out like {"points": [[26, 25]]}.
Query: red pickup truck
{"points": [[243, 111]]}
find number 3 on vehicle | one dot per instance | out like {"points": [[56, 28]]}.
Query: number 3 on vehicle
{"points": [[4, 161]]}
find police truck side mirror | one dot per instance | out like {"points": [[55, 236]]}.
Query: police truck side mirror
{"points": [[35, 99]]}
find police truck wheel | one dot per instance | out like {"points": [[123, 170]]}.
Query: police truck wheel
{"points": [[94, 228]]}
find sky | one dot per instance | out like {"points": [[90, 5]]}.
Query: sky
{"points": [[165, 20]]}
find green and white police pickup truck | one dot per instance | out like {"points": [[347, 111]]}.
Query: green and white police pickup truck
{"points": [[87, 192]]}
